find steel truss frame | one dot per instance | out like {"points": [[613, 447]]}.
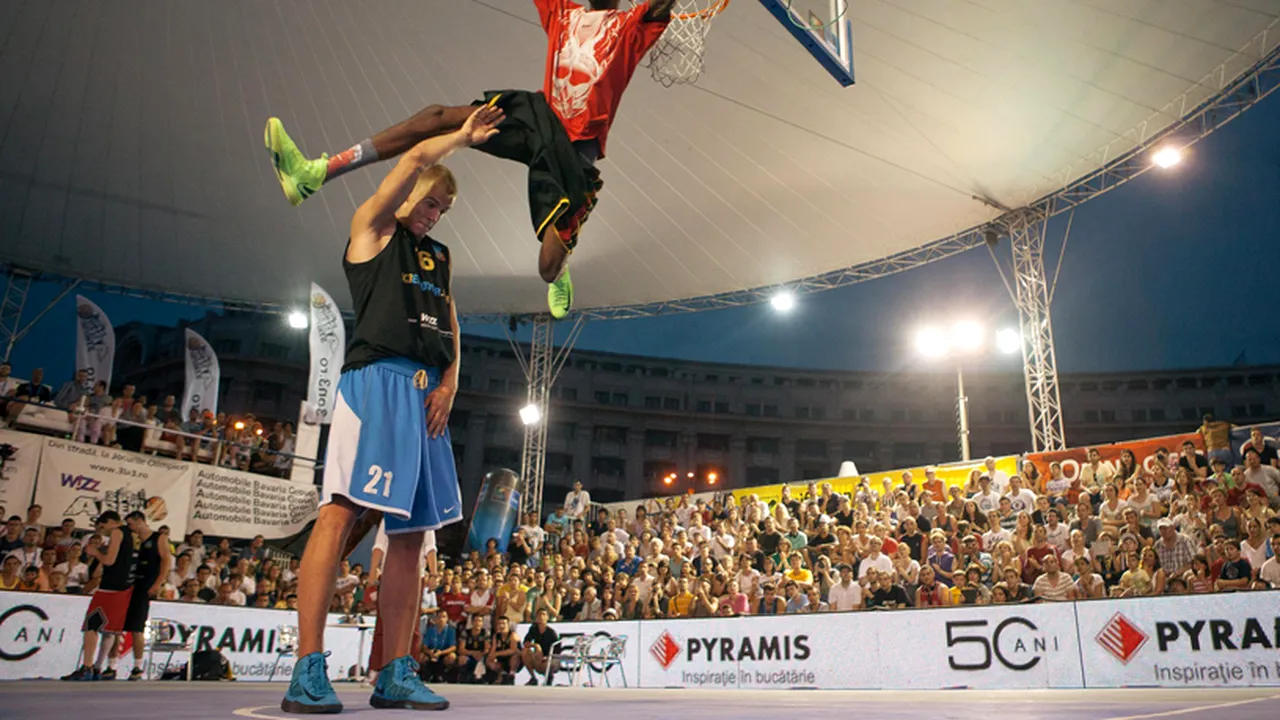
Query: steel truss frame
{"points": [[541, 365]]}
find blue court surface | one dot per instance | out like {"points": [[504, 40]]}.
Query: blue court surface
{"points": [[201, 701]]}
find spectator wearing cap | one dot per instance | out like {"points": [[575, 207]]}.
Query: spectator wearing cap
{"points": [[971, 554], [845, 595], [1174, 550]]}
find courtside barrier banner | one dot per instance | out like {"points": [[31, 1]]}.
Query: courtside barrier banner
{"points": [[620, 670], [18, 471], [976, 646], [230, 503], [79, 481], [40, 637], [1218, 640], [1143, 452], [1014, 646]]}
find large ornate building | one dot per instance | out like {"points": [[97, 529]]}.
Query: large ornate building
{"points": [[623, 423]]}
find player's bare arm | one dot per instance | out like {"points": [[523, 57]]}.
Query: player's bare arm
{"points": [[440, 400], [166, 563], [372, 223]]}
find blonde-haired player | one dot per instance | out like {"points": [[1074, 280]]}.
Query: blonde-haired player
{"points": [[389, 448]]}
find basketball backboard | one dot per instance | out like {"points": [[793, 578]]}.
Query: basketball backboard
{"points": [[825, 30]]}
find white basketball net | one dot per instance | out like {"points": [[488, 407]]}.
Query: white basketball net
{"points": [[677, 57]]}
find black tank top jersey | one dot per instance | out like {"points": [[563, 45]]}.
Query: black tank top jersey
{"points": [[402, 301], [119, 575], [146, 566]]}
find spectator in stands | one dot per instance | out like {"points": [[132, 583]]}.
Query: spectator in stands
{"points": [[1269, 573], [473, 650], [1217, 438], [539, 641], [1174, 550], [1053, 584], [12, 538], [11, 574], [34, 390], [1265, 446], [73, 391], [1266, 477], [577, 502], [439, 650]]}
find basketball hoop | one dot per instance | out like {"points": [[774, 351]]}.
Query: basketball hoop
{"points": [[677, 57]]}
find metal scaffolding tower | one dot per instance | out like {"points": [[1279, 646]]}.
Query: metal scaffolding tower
{"points": [[541, 366], [17, 285], [1033, 295]]}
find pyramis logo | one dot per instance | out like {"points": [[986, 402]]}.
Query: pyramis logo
{"points": [[1122, 638], [665, 649]]}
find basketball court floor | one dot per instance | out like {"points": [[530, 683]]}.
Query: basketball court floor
{"points": [[228, 701]]}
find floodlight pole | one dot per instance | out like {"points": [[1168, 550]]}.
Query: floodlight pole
{"points": [[541, 366], [962, 408], [1026, 228]]}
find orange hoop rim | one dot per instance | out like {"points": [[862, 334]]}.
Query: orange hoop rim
{"points": [[703, 14]]}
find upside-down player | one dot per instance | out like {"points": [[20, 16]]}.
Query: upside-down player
{"points": [[389, 446], [558, 133]]}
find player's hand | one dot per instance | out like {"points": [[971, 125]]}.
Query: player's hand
{"points": [[439, 405], [482, 125]]}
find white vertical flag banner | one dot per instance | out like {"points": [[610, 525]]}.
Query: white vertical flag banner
{"points": [[95, 341], [202, 376], [328, 348]]}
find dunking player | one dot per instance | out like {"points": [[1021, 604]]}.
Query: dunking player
{"points": [[559, 133], [109, 606], [389, 446]]}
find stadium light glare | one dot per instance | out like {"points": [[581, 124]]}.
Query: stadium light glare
{"points": [[931, 342], [530, 414], [1167, 157], [783, 301], [966, 336], [298, 320], [1008, 341]]}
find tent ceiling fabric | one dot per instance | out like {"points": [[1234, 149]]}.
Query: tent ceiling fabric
{"points": [[131, 135]]}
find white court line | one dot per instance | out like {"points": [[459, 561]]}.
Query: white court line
{"points": [[251, 712], [1185, 711]]}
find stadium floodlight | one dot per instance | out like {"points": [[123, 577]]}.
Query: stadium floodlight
{"points": [[298, 320], [1167, 157], [932, 343], [966, 336], [1008, 341], [530, 414], [783, 301], [712, 478]]}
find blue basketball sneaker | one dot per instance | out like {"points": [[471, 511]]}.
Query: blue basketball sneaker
{"points": [[400, 687], [309, 690]]}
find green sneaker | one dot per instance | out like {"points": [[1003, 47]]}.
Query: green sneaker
{"points": [[299, 177], [560, 294]]}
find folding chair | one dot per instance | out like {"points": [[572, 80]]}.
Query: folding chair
{"points": [[162, 634]]}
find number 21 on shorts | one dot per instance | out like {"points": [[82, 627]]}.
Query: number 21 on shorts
{"points": [[376, 475]]}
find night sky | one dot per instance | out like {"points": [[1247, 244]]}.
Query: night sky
{"points": [[1177, 269]]}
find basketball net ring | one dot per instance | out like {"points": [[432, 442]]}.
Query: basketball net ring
{"points": [[677, 57]]}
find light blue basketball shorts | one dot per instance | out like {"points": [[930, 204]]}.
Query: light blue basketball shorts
{"points": [[379, 455]]}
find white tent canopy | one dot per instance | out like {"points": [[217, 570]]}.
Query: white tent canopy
{"points": [[131, 135]]}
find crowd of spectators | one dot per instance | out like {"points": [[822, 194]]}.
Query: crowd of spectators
{"points": [[97, 418], [1176, 523]]}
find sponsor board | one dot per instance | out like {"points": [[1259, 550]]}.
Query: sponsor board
{"points": [[990, 647], [18, 469], [1144, 452], [78, 481], [780, 651], [230, 503], [40, 637], [622, 670], [1221, 640]]}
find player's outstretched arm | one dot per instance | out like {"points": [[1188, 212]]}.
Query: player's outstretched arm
{"points": [[378, 212], [659, 11]]}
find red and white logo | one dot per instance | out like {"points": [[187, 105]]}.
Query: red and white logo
{"points": [[1122, 638], [665, 649]]}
